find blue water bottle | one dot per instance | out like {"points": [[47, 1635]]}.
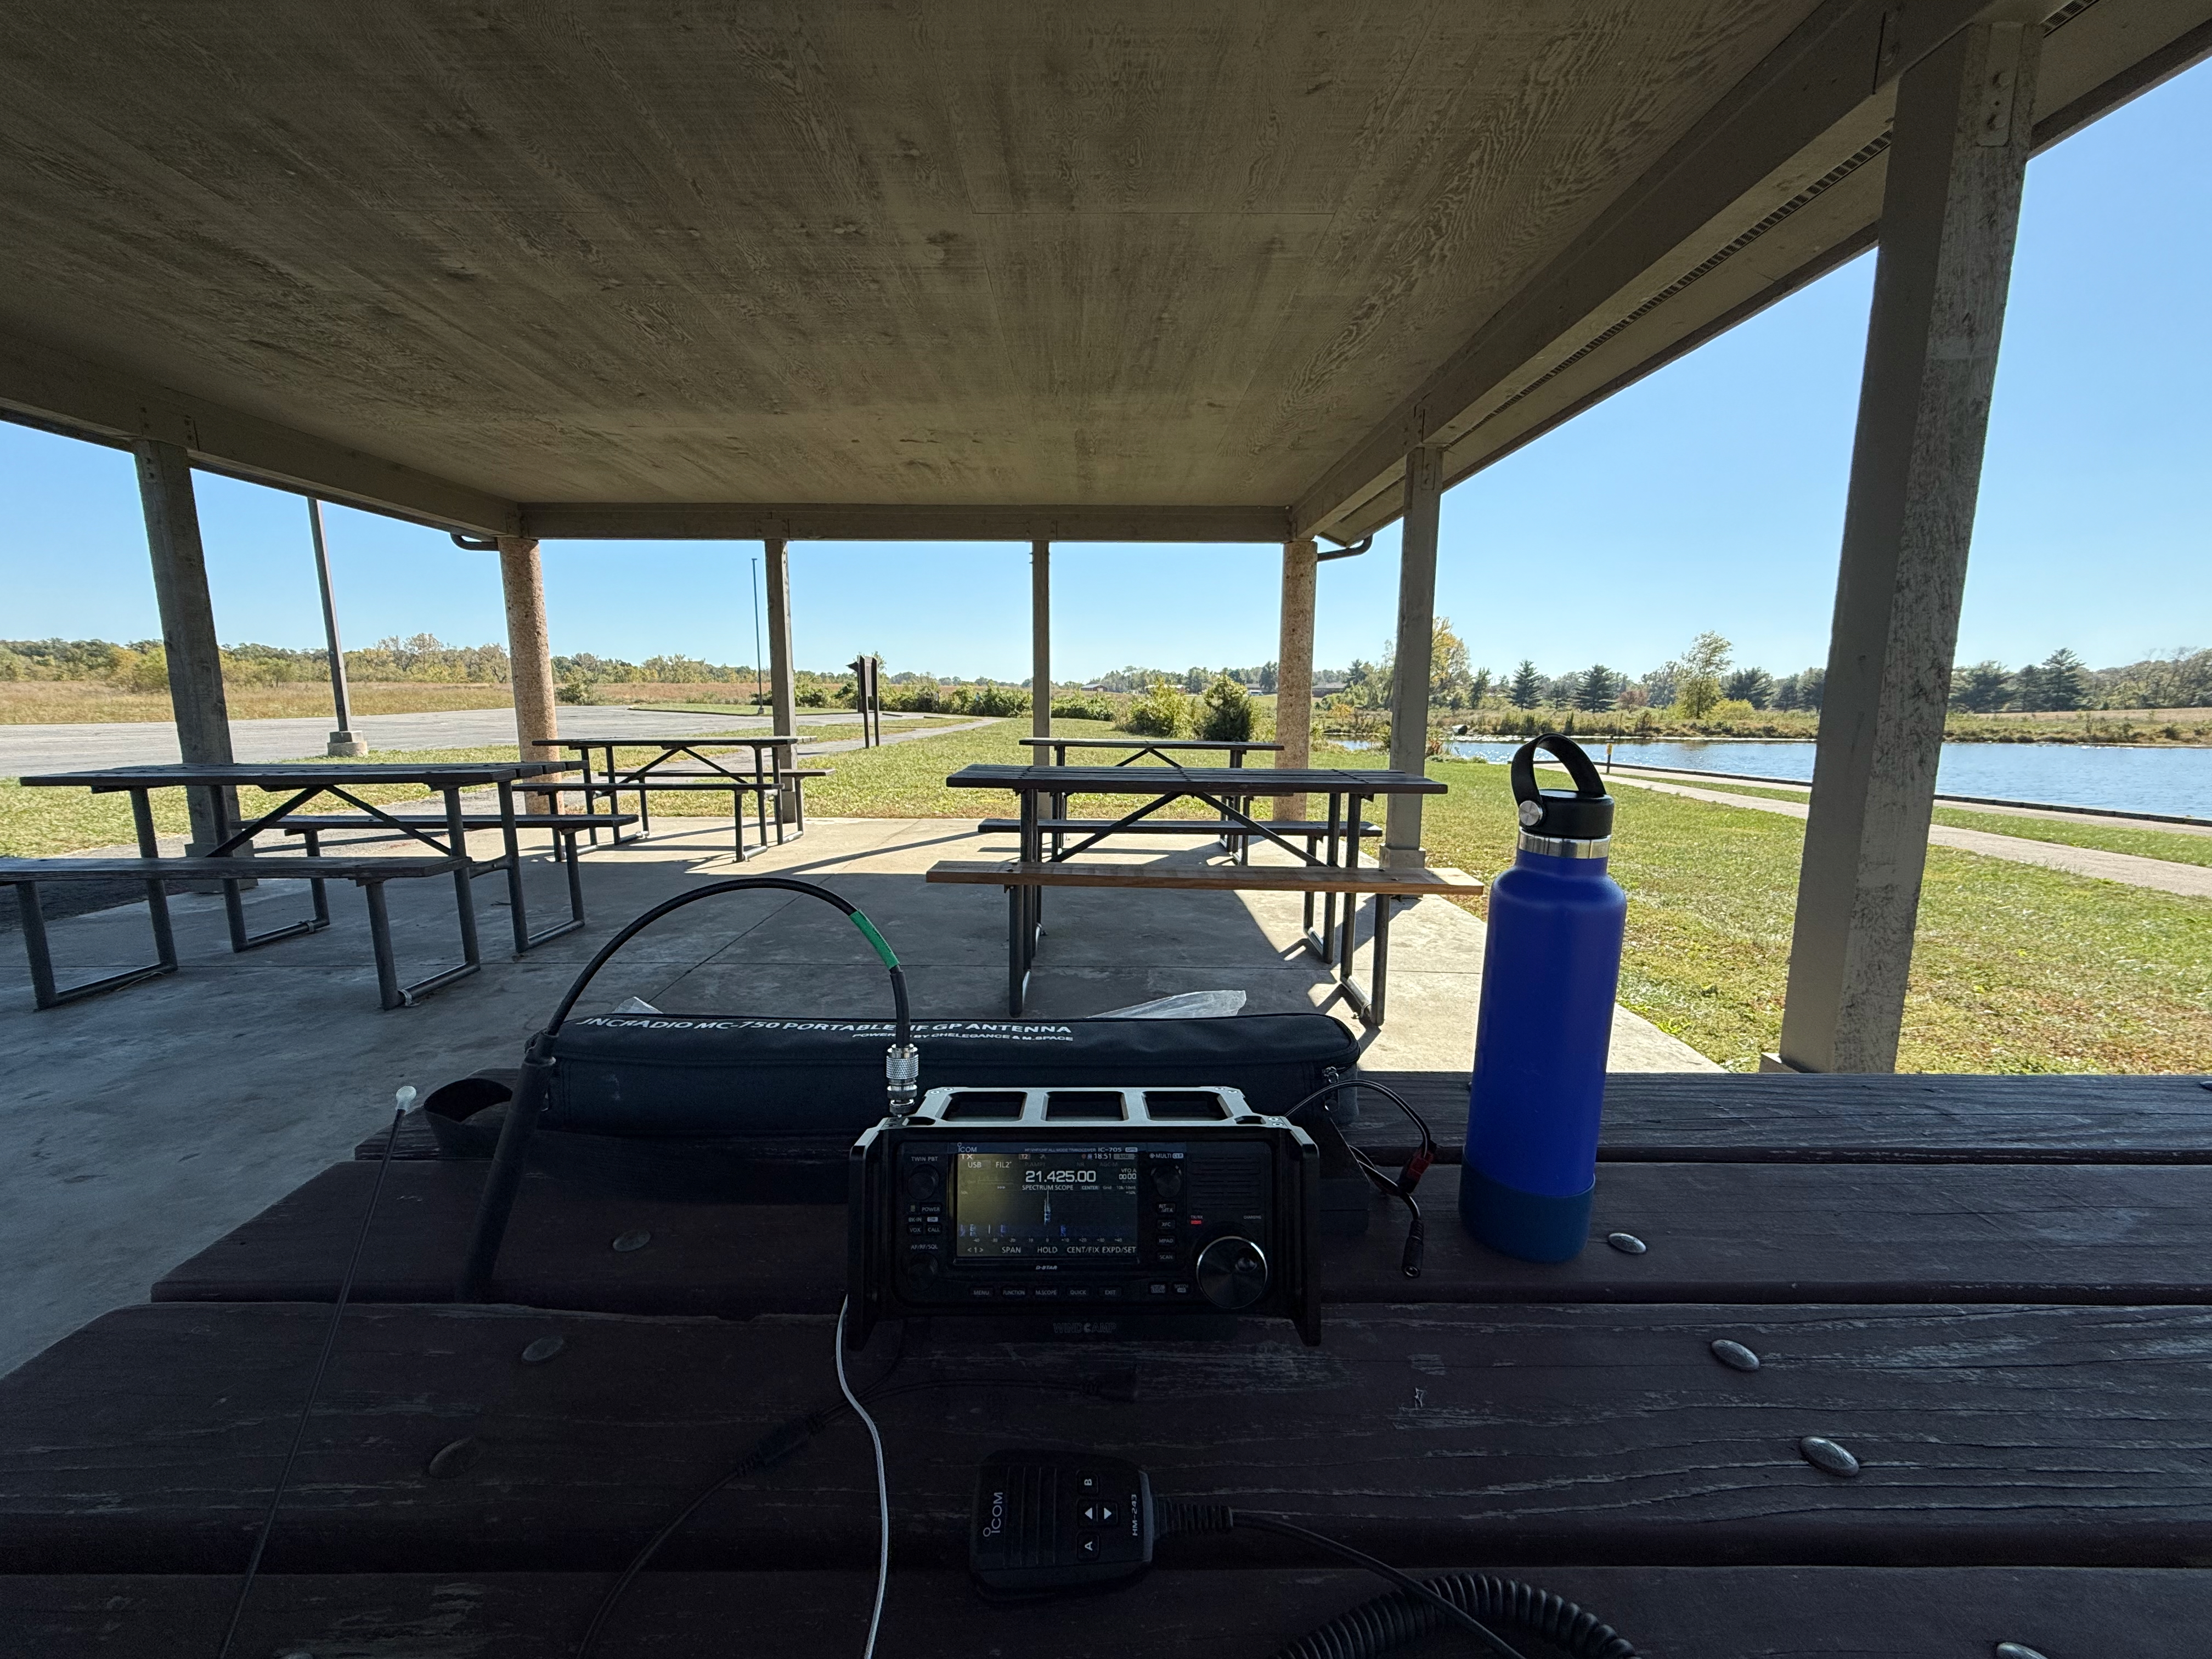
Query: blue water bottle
{"points": [[1549, 972]]}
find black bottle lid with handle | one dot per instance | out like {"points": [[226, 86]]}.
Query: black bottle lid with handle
{"points": [[1582, 813]]}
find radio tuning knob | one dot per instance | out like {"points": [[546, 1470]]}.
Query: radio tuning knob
{"points": [[1232, 1272], [922, 1181], [1167, 1180]]}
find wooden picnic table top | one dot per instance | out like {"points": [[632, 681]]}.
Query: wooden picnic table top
{"points": [[1241, 744], [1193, 780], [1994, 1291], [295, 774]]}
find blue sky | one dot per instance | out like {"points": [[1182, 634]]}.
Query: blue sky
{"points": [[1710, 496]]}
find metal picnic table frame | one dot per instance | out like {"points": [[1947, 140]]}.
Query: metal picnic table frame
{"points": [[764, 779], [1164, 750], [1346, 791], [309, 779]]}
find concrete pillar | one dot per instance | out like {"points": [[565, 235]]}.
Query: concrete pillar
{"points": [[1041, 642], [529, 649], [180, 589], [1294, 650], [1409, 683], [782, 688], [1950, 207]]}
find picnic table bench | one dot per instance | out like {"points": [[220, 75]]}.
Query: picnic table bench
{"points": [[773, 776], [26, 875], [2019, 1355], [1044, 791], [303, 782]]}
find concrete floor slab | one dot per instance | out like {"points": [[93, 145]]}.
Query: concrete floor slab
{"points": [[136, 1128]]}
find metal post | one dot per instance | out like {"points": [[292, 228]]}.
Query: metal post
{"points": [[188, 641], [1040, 639], [1409, 684], [781, 683], [1294, 652], [529, 650], [342, 741], [1950, 208]]}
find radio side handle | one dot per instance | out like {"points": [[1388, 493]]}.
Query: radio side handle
{"points": [[863, 1289], [1307, 1176]]}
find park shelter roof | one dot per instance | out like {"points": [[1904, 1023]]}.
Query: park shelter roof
{"points": [[1110, 271]]}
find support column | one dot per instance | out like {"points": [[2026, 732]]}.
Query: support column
{"points": [[529, 649], [188, 642], [1041, 642], [782, 688], [1950, 207], [1409, 682], [1294, 649]]}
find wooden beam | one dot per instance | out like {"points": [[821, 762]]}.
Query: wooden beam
{"points": [[897, 522], [188, 635], [1409, 682], [1206, 878], [529, 649], [1294, 650], [783, 685], [1950, 211], [61, 393], [1040, 639]]}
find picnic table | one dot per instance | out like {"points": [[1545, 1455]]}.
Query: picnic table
{"points": [[772, 774], [302, 782], [1320, 876], [1164, 749], [1993, 1292]]}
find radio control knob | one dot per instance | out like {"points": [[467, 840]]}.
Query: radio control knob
{"points": [[1232, 1272], [1167, 1180], [922, 1180]]}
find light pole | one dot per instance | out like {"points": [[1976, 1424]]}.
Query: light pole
{"points": [[342, 741], [759, 694]]}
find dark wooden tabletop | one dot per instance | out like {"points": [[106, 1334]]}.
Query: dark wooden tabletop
{"points": [[297, 774], [1192, 779], [1996, 1292]]}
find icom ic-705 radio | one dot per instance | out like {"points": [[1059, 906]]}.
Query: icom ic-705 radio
{"points": [[1085, 1211]]}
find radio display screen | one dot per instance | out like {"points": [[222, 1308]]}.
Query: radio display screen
{"points": [[1039, 1204]]}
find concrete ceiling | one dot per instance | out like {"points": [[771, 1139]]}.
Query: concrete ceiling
{"points": [[1164, 270]]}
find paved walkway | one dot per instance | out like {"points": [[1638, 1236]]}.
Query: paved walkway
{"points": [[2190, 880], [26, 749]]}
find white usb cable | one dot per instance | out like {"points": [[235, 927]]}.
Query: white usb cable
{"points": [[882, 1485]]}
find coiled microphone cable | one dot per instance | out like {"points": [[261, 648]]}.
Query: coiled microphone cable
{"points": [[1416, 1607]]}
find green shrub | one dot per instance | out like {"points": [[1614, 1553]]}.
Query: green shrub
{"points": [[1225, 713], [1082, 708], [1160, 710], [577, 690], [997, 700]]}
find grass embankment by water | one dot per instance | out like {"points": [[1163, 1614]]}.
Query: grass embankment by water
{"points": [[2175, 846], [2017, 969]]}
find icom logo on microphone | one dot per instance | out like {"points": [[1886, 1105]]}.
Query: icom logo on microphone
{"points": [[996, 1525]]}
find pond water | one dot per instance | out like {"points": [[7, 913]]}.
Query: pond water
{"points": [[2172, 780]]}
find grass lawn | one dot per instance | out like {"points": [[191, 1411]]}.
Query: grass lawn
{"points": [[2017, 969]]}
